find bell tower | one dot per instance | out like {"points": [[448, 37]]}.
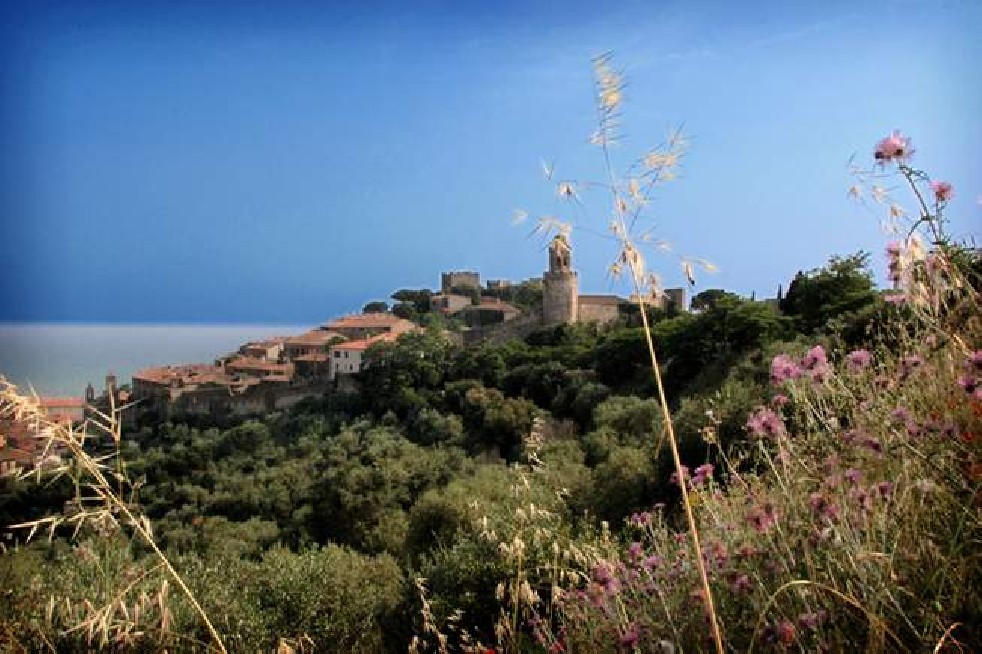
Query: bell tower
{"points": [[560, 284]]}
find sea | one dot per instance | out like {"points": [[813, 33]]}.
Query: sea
{"points": [[60, 359]]}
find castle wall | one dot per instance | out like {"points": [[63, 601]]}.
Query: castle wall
{"points": [[518, 329], [459, 279], [597, 308]]}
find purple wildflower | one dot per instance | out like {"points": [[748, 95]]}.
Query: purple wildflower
{"points": [[853, 475], [741, 584], [634, 550], [653, 561], [862, 498], [703, 472], [814, 357], [747, 551], [779, 400], [858, 359], [764, 422], [821, 505], [900, 414], [762, 518], [630, 637], [871, 443], [811, 620], [674, 479], [605, 579], [816, 363], [885, 488], [784, 368]]}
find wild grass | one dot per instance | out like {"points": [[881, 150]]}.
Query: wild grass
{"points": [[850, 519], [102, 502]]}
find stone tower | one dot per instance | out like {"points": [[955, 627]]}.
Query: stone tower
{"points": [[560, 286]]}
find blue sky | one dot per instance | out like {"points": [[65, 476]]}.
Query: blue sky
{"points": [[284, 162]]}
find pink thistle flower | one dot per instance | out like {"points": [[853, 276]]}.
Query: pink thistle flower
{"points": [[820, 505], [784, 368], [747, 551], [605, 579], [764, 422], [862, 498], [871, 443], [630, 638], [885, 489], [763, 518], [811, 620], [943, 191], [853, 475], [814, 358], [634, 550], [895, 299], [653, 561], [895, 146], [785, 632], [703, 472], [674, 479], [741, 584], [969, 384], [858, 359], [900, 414], [974, 360], [780, 400]]}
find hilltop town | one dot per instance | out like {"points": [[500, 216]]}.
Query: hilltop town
{"points": [[274, 374]]}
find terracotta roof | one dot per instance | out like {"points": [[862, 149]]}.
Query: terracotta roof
{"points": [[313, 337], [198, 373], [354, 346], [62, 403], [365, 343], [313, 357], [250, 363], [370, 321]]}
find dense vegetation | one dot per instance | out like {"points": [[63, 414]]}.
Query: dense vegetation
{"points": [[499, 473]]}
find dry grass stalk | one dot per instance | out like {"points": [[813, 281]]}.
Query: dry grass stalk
{"points": [[109, 507], [629, 198]]}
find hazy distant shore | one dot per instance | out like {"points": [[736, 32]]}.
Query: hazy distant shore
{"points": [[61, 358]]}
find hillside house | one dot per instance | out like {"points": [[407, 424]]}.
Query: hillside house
{"points": [[366, 325], [316, 341]]}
